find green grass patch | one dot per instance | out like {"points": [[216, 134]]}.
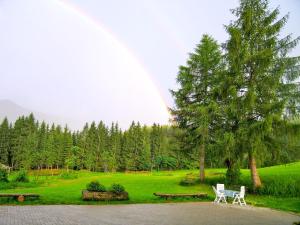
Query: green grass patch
{"points": [[68, 175], [280, 181], [141, 186]]}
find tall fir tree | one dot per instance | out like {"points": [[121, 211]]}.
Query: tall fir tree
{"points": [[195, 99], [4, 141], [103, 154], [260, 76], [67, 154], [155, 143]]}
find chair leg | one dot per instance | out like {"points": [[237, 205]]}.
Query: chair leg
{"points": [[220, 199], [234, 200], [224, 199], [243, 202], [216, 199]]}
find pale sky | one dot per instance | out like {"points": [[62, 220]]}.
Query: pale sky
{"points": [[106, 60]]}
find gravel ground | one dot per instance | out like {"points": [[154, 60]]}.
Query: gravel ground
{"points": [[144, 214]]}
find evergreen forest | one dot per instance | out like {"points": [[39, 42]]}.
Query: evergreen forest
{"points": [[30, 144]]}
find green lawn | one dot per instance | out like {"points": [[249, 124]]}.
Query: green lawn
{"points": [[141, 186]]}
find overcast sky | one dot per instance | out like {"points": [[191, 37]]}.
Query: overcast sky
{"points": [[112, 60]]}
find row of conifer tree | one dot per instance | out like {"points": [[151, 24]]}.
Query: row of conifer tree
{"points": [[30, 144]]}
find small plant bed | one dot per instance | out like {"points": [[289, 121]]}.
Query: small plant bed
{"points": [[98, 192], [103, 196], [167, 196]]}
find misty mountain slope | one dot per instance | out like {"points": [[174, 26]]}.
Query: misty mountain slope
{"points": [[12, 111]]}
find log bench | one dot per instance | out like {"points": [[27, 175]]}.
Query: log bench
{"points": [[20, 197], [166, 196]]}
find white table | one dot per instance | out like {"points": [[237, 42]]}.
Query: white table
{"points": [[229, 193]]}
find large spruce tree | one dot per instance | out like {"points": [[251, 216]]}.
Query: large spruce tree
{"points": [[195, 99], [260, 76]]}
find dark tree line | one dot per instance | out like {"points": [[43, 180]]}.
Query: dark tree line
{"points": [[29, 144]]}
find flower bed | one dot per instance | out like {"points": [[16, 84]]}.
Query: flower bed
{"points": [[104, 196]]}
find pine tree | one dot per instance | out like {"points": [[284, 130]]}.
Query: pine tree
{"points": [[58, 159], [82, 144], [260, 75], [155, 143], [50, 148], [92, 147], [102, 146], [17, 143], [114, 146], [41, 151], [67, 148], [196, 99], [138, 150], [146, 154], [30, 143], [4, 141], [135, 147], [129, 147]]}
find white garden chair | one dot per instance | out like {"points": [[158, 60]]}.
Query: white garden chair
{"points": [[220, 196], [240, 197], [220, 187]]}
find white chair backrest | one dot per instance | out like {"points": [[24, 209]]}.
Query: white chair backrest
{"points": [[216, 192], [220, 187], [242, 193]]}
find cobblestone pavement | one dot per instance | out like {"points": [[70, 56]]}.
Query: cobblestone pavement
{"points": [[143, 214]]}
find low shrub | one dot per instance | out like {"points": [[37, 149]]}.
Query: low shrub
{"points": [[7, 185], [218, 179], [14, 184], [280, 188], [68, 175], [189, 180], [45, 172], [117, 188], [3, 175], [21, 176], [95, 186], [233, 175]]}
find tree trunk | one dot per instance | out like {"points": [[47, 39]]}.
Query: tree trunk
{"points": [[201, 161], [254, 173]]}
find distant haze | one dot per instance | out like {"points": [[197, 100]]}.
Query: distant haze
{"points": [[92, 60], [57, 62], [13, 111]]}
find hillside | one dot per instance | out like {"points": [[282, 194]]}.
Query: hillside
{"points": [[12, 111]]}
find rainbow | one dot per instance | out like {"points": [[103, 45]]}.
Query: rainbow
{"points": [[112, 37]]}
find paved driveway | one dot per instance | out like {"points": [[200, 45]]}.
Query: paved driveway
{"points": [[146, 214]]}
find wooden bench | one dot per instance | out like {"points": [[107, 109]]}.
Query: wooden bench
{"points": [[166, 196], [20, 197]]}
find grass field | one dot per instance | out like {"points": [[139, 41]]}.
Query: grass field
{"points": [[141, 186]]}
